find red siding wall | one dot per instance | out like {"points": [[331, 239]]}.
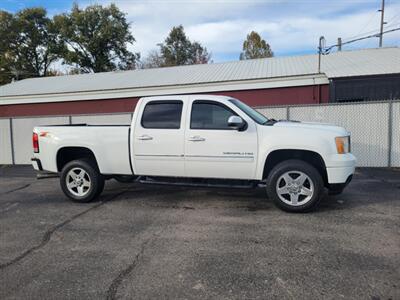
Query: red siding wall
{"points": [[282, 96], [66, 108], [276, 96]]}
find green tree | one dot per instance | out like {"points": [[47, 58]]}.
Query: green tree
{"points": [[255, 47], [97, 38], [199, 54], [37, 44], [29, 44], [8, 37], [154, 59], [177, 50]]}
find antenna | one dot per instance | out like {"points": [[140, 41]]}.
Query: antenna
{"points": [[339, 44]]}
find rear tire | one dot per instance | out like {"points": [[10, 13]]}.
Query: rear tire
{"points": [[81, 180], [295, 186]]}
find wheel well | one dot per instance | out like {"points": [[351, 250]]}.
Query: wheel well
{"points": [[313, 158], [67, 154]]}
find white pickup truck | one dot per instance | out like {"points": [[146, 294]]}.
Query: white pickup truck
{"points": [[200, 140]]}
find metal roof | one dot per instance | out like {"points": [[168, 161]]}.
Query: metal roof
{"points": [[339, 64]]}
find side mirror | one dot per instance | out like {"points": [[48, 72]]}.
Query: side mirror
{"points": [[236, 122]]}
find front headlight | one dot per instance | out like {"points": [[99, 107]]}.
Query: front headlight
{"points": [[342, 144]]}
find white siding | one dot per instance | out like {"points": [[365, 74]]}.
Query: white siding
{"points": [[5, 142], [22, 133], [120, 119]]}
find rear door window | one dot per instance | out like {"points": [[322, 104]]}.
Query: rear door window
{"points": [[162, 115]]}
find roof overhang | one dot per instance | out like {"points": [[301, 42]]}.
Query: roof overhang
{"points": [[253, 84]]}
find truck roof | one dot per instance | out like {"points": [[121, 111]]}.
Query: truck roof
{"points": [[197, 96]]}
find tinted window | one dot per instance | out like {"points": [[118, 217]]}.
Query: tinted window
{"points": [[162, 115], [210, 116]]}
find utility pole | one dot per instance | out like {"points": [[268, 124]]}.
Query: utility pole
{"points": [[321, 47], [382, 10]]}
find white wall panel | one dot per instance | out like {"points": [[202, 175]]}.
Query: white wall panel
{"points": [[22, 134], [367, 122], [5, 142], [396, 135], [120, 119], [278, 113]]}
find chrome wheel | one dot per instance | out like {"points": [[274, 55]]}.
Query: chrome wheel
{"points": [[78, 182], [295, 188]]}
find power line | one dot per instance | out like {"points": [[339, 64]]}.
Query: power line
{"points": [[370, 32], [379, 34], [391, 23], [359, 35], [393, 18], [373, 15]]}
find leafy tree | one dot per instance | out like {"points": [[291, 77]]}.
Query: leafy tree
{"points": [[8, 36], [29, 44], [37, 45], [97, 38], [177, 49], [153, 60], [199, 54], [255, 47]]}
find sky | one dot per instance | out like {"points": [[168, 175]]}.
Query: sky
{"points": [[290, 27]]}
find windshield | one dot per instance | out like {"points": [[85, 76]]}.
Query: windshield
{"points": [[253, 114]]}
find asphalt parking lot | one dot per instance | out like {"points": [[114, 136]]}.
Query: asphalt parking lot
{"points": [[151, 242]]}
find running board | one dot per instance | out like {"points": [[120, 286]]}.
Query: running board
{"points": [[207, 184]]}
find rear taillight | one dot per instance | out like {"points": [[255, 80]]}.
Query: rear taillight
{"points": [[35, 142]]}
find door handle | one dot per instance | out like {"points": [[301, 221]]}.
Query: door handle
{"points": [[145, 137], [196, 139]]}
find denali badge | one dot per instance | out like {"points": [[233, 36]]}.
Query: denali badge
{"points": [[237, 153]]}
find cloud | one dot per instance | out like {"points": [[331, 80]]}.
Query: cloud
{"points": [[290, 27]]}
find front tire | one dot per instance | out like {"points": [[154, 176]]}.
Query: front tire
{"points": [[295, 186], [81, 181]]}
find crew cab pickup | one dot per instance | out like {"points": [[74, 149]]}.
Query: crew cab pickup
{"points": [[200, 140]]}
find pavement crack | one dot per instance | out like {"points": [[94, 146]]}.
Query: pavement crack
{"points": [[113, 288], [282, 283], [47, 235], [171, 206], [17, 189], [9, 206]]}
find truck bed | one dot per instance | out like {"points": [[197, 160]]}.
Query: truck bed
{"points": [[87, 125], [108, 143]]}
